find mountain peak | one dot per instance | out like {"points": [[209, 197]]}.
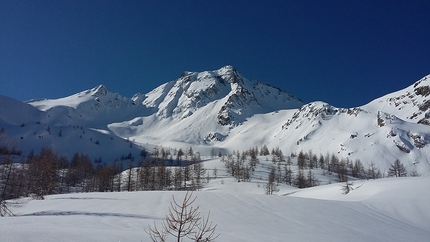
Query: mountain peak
{"points": [[230, 74], [99, 90], [227, 68], [228, 94]]}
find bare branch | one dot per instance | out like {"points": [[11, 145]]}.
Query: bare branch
{"points": [[156, 235], [4, 209], [205, 232], [182, 221]]}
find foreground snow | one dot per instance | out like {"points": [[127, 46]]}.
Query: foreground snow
{"points": [[382, 210]]}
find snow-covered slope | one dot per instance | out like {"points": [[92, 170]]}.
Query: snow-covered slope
{"points": [[14, 112], [355, 133], [411, 104], [383, 210], [225, 110], [94, 108], [235, 96], [202, 108], [62, 125]]}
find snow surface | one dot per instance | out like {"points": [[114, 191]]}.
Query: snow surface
{"points": [[14, 112], [395, 209]]}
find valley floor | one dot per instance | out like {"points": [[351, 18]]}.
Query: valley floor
{"points": [[393, 209]]}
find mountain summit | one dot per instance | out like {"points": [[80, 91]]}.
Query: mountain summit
{"points": [[221, 109], [225, 91]]}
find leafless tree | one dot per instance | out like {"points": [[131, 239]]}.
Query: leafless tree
{"points": [[184, 221], [4, 209], [300, 180], [346, 187], [271, 186], [43, 173], [9, 178], [373, 172], [6, 172], [397, 169]]}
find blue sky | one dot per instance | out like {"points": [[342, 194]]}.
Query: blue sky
{"points": [[346, 53]]}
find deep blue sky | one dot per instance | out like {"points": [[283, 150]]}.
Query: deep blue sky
{"points": [[346, 53]]}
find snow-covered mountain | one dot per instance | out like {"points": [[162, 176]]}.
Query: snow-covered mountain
{"points": [[411, 103], [224, 110], [94, 108], [73, 124], [14, 112], [202, 108]]}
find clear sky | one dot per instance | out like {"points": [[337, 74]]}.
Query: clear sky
{"points": [[346, 53]]}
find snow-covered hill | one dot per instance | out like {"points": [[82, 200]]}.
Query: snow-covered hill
{"points": [[93, 108], [411, 104], [222, 109], [355, 134], [394, 209], [77, 123], [14, 112]]}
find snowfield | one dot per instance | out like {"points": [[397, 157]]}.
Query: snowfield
{"points": [[393, 209]]}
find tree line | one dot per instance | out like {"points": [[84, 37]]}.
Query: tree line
{"points": [[45, 173], [242, 165]]}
